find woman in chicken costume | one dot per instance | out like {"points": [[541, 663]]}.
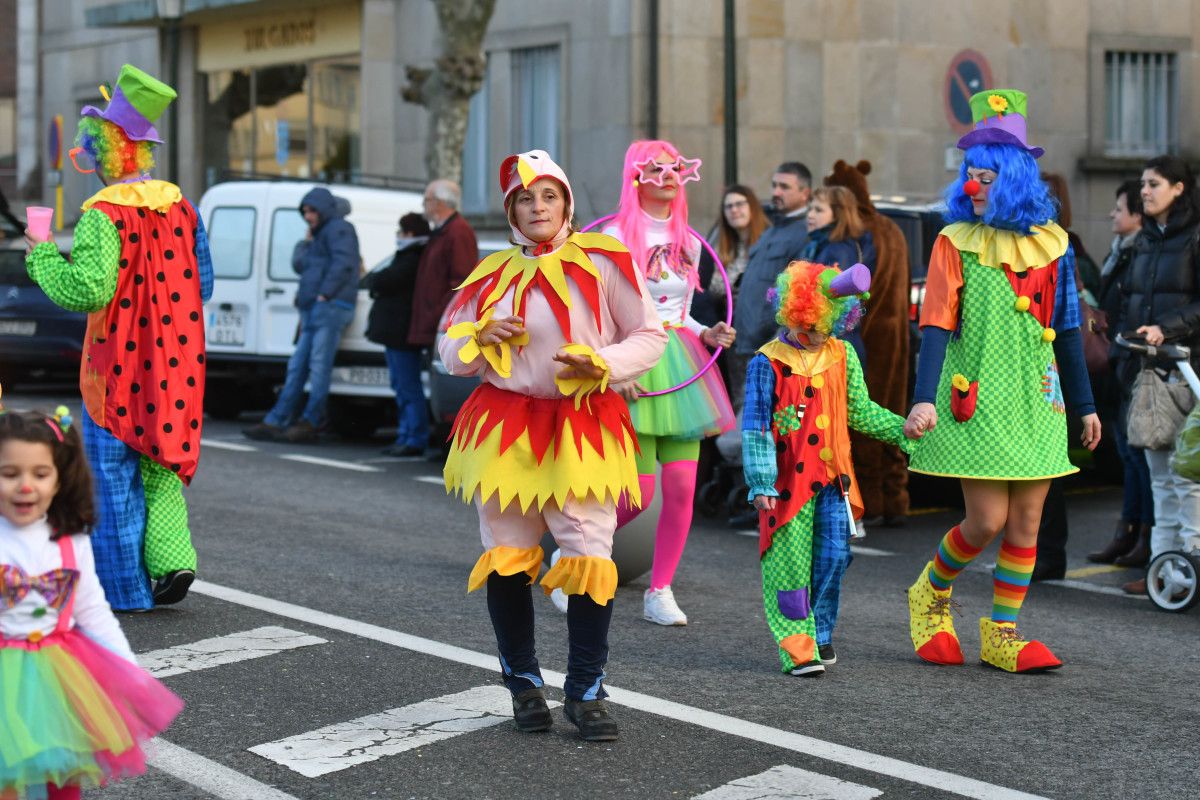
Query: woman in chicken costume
{"points": [[1001, 362], [543, 443], [140, 267]]}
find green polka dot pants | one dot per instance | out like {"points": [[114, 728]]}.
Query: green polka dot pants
{"points": [[168, 545], [787, 585]]}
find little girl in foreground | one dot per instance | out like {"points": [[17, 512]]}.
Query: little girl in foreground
{"points": [[804, 389], [75, 706]]}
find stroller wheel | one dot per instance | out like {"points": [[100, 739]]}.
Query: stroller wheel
{"points": [[1173, 580]]}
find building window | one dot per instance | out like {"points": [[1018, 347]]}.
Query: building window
{"points": [[536, 73], [1141, 103]]}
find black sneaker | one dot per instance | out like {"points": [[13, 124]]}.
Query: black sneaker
{"points": [[173, 587], [592, 719], [530, 711], [810, 669], [825, 654], [263, 432]]}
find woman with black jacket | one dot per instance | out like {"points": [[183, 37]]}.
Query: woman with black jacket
{"points": [[1161, 301], [392, 290]]}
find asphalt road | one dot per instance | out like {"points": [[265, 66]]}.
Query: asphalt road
{"points": [[357, 568]]}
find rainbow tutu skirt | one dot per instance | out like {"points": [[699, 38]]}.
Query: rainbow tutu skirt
{"points": [[697, 411], [72, 712]]}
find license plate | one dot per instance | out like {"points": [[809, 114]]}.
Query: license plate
{"points": [[17, 327], [226, 327], [366, 376]]}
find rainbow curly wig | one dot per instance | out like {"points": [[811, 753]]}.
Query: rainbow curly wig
{"points": [[805, 301], [112, 151]]}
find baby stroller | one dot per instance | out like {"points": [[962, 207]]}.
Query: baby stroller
{"points": [[1173, 577]]}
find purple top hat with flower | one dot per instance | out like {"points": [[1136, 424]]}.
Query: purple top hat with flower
{"points": [[999, 116], [135, 105]]}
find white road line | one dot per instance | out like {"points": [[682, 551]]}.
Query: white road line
{"points": [[220, 650], [237, 447], [773, 737], [1097, 588], [329, 462], [434, 479], [387, 733], [789, 783], [207, 775]]}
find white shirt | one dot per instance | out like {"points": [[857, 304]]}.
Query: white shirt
{"points": [[31, 549], [668, 286]]}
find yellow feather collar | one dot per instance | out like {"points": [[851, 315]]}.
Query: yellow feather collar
{"points": [[997, 247], [829, 355], [154, 195]]}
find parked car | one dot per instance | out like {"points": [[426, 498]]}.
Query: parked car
{"points": [[36, 336], [251, 322]]}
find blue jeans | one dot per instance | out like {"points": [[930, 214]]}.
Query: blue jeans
{"points": [[320, 332], [831, 556], [1138, 497], [404, 369]]}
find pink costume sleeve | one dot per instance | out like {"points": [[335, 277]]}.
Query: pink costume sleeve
{"points": [[448, 348]]}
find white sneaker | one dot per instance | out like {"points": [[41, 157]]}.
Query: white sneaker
{"points": [[658, 606], [859, 532], [558, 596]]}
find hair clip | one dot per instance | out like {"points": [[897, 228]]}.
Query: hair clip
{"points": [[62, 420]]}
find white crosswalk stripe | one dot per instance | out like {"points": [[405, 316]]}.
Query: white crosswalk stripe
{"points": [[357, 741], [790, 783], [220, 650]]}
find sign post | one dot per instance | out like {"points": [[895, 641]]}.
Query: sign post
{"points": [[54, 157]]}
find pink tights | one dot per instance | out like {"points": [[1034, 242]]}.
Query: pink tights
{"points": [[64, 793], [674, 521]]}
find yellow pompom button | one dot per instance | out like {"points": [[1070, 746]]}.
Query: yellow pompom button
{"points": [[818, 381], [34, 636], [826, 454], [1022, 304], [822, 421], [1048, 334]]}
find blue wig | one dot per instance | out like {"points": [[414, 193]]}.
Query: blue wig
{"points": [[1018, 199]]}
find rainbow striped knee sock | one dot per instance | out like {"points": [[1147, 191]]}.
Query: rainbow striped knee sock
{"points": [[953, 555], [1010, 581]]}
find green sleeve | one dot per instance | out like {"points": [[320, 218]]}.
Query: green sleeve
{"points": [[865, 415], [89, 280]]}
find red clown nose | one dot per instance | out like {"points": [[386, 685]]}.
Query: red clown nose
{"points": [[971, 187]]}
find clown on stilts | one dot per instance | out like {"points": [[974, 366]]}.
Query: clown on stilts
{"points": [[544, 443], [1001, 363], [804, 391], [140, 267]]}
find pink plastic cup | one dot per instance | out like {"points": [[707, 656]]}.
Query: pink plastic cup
{"points": [[37, 222]]}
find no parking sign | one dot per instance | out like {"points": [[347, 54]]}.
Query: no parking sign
{"points": [[969, 72]]}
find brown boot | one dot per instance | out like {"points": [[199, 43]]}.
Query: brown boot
{"points": [[1140, 554], [1135, 587], [1122, 542]]}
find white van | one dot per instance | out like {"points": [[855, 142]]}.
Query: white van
{"points": [[250, 322]]}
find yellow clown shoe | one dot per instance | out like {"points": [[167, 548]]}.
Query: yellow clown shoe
{"points": [[1003, 648], [930, 622]]}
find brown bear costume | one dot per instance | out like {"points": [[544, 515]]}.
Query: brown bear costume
{"points": [[881, 468]]}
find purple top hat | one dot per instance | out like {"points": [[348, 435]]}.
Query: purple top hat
{"points": [[137, 102], [999, 119]]}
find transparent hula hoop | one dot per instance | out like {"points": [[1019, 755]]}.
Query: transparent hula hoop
{"points": [[728, 306]]}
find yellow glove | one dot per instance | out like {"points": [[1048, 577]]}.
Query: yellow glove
{"points": [[498, 355], [582, 385]]}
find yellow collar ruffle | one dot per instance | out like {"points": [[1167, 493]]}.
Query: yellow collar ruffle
{"points": [[154, 195], [997, 247], [829, 355]]}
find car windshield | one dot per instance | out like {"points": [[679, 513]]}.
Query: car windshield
{"points": [[12, 268]]}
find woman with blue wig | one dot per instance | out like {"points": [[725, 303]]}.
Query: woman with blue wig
{"points": [[1001, 363]]}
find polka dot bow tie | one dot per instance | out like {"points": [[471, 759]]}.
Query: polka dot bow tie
{"points": [[55, 585]]}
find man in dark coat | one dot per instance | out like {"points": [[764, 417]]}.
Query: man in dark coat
{"points": [[327, 263], [392, 289], [881, 468], [449, 257]]}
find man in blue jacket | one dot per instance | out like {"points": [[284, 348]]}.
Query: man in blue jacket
{"points": [[327, 262], [779, 245]]}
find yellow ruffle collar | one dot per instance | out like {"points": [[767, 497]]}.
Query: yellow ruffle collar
{"points": [[829, 355], [997, 247], [152, 194]]}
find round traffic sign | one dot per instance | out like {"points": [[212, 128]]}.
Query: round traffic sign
{"points": [[54, 142], [969, 72]]}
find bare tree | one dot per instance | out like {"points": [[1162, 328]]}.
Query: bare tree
{"points": [[446, 89]]}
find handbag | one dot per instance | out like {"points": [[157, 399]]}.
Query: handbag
{"points": [[1157, 410], [1096, 343]]}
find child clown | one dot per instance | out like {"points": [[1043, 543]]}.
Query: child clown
{"points": [[804, 390], [544, 443]]}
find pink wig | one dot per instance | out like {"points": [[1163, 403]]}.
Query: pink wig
{"points": [[630, 218]]}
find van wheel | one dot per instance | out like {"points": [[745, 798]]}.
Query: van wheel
{"points": [[224, 400]]}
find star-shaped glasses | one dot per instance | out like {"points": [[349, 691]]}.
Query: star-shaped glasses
{"points": [[653, 171]]}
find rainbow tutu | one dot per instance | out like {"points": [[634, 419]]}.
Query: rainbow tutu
{"points": [[72, 712], [697, 411]]}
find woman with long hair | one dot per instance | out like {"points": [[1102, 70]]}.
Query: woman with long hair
{"points": [[1001, 362], [837, 236], [652, 221], [1161, 301]]}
